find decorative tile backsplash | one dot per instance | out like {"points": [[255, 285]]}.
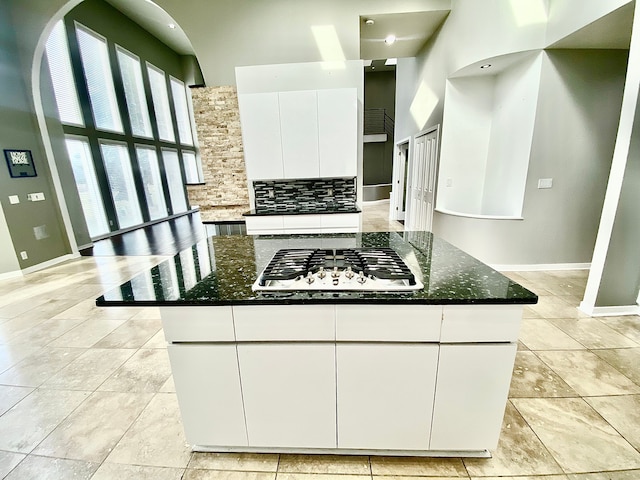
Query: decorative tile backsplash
{"points": [[305, 194]]}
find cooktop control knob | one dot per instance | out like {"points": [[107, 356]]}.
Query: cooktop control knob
{"points": [[321, 273], [309, 279], [349, 273], [361, 278], [335, 273]]}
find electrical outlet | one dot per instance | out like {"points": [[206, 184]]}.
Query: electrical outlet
{"points": [[24, 255], [449, 182], [271, 194], [330, 192], [545, 182]]}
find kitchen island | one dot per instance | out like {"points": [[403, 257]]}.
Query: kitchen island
{"points": [[424, 372]]}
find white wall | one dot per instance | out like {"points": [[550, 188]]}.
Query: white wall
{"points": [[513, 117], [567, 16], [580, 94], [465, 144]]}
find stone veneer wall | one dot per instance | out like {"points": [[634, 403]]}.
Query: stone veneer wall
{"points": [[224, 195]]}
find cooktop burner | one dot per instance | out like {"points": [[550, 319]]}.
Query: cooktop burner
{"points": [[365, 269]]}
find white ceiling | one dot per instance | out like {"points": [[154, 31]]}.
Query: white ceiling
{"points": [[412, 30]]}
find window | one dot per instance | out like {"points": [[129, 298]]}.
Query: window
{"points": [[127, 171], [152, 182], [160, 98], [182, 111], [174, 179], [64, 87], [97, 73], [123, 190], [87, 184], [134, 93], [191, 171]]}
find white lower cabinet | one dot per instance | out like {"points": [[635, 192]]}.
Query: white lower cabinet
{"points": [[208, 387], [289, 394], [385, 395], [471, 395]]}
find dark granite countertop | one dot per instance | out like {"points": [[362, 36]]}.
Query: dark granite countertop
{"points": [[221, 270], [285, 209]]}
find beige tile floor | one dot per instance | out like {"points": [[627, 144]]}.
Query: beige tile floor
{"points": [[87, 392]]}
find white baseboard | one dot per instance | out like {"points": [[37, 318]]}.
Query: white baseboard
{"points": [[541, 266], [8, 275], [374, 202], [615, 311], [50, 263]]}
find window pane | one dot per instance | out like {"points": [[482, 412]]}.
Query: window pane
{"points": [[150, 173], [161, 103], [123, 190], [191, 167], [85, 176], [97, 72], [174, 179], [64, 87], [182, 111], [134, 94]]}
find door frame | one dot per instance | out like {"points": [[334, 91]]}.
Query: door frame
{"points": [[398, 193]]}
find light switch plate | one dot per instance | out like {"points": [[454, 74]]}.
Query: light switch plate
{"points": [[13, 199], [545, 182], [35, 197]]}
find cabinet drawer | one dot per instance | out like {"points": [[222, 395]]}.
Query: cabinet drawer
{"points": [[388, 323], [341, 220], [281, 323], [481, 323], [301, 221], [264, 224], [197, 324]]}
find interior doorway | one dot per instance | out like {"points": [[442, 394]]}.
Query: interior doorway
{"points": [[421, 189], [397, 206]]}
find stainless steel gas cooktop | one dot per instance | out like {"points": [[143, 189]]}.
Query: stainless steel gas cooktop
{"points": [[320, 269]]}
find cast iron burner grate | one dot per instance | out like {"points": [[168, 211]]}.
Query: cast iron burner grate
{"points": [[374, 263]]}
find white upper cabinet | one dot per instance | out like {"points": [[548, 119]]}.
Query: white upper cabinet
{"points": [[260, 118], [338, 132], [299, 130], [300, 134]]}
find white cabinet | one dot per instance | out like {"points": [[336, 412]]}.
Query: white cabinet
{"points": [[289, 394], [338, 132], [471, 395], [385, 395], [264, 224], [300, 134], [299, 130], [208, 387], [260, 118], [292, 224]]}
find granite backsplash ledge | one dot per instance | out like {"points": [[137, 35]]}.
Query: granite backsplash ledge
{"points": [[315, 193]]}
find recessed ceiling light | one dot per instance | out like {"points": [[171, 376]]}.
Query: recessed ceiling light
{"points": [[369, 21], [390, 40], [486, 65], [172, 25]]}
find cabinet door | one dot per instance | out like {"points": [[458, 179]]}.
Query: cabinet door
{"points": [[385, 395], [340, 222], [299, 127], [208, 388], [264, 225], [289, 394], [260, 122], [338, 132], [471, 395]]}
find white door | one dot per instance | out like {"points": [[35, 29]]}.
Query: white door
{"points": [[299, 130], [289, 392], [399, 182], [385, 395], [422, 180], [338, 132]]}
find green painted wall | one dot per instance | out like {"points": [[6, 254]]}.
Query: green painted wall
{"points": [[19, 130]]}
